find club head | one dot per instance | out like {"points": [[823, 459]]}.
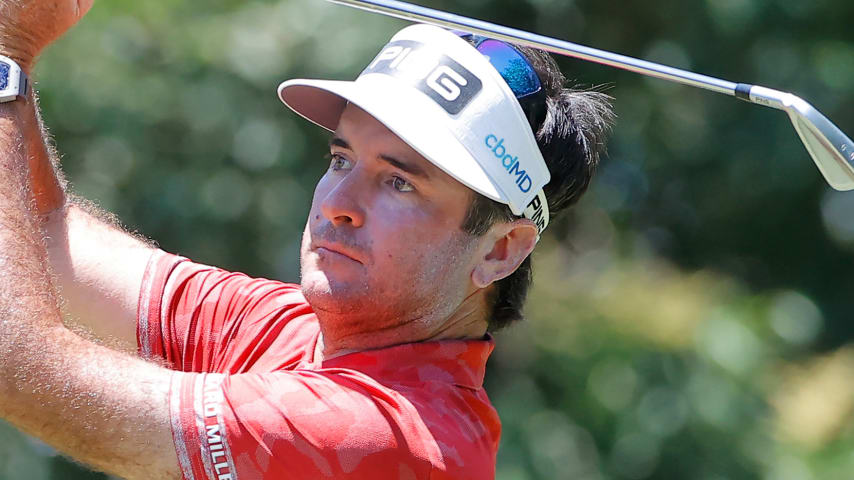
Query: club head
{"points": [[831, 150]]}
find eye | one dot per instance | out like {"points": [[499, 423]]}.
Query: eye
{"points": [[338, 162], [401, 185]]}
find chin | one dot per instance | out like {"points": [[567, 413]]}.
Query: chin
{"points": [[327, 293]]}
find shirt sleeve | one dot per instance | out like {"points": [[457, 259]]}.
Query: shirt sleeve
{"points": [[199, 318], [297, 425]]}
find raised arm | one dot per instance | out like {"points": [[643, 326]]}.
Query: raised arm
{"points": [[98, 265], [98, 405]]}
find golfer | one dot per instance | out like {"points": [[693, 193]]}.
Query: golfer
{"points": [[448, 157]]}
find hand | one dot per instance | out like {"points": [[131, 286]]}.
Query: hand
{"points": [[28, 26]]}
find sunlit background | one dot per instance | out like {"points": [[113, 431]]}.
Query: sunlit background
{"points": [[691, 318]]}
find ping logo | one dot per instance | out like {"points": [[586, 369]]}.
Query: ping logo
{"points": [[438, 76], [446, 82], [509, 162], [534, 211]]}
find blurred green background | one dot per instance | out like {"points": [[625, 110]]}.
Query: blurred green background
{"points": [[691, 318]]}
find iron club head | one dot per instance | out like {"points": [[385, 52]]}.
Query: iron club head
{"points": [[831, 150]]}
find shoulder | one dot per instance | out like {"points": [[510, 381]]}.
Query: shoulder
{"points": [[207, 319], [181, 278]]}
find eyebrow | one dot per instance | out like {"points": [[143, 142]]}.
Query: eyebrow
{"points": [[339, 142], [409, 168]]}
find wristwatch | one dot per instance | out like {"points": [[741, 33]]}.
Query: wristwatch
{"points": [[13, 81]]}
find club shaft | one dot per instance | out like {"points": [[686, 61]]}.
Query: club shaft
{"points": [[420, 14]]}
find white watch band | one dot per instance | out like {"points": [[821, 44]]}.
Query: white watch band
{"points": [[13, 81]]}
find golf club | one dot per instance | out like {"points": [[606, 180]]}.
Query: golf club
{"points": [[832, 150]]}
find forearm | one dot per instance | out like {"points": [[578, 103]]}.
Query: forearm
{"points": [[28, 303], [100, 406], [46, 179], [98, 266], [25, 285]]}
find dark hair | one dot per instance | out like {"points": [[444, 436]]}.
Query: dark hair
{"points": [[571, 139]]}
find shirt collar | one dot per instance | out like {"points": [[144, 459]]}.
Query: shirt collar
{"points": [[458, 362]]}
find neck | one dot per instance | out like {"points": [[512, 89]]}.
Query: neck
{"points": [[468, 321]]}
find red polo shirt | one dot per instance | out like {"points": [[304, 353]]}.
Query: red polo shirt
{"points": [[254, 404]]}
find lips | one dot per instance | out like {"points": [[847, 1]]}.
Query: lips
{"points": [[337, 249]]}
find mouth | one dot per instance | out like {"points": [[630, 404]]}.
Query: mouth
{"points": [[329, 249]]}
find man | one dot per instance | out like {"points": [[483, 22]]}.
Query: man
{"points": [[416, 245]]}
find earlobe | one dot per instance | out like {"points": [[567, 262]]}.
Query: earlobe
{"points": [[514, 241]]}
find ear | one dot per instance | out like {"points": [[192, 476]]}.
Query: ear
{"points": [[511, 243]]}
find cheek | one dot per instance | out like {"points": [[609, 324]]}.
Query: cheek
{"points": [[413, 251], [399, 232], [411, 231], [402, 216]]}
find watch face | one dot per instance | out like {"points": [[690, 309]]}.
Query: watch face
{"points": [[4, 75]]}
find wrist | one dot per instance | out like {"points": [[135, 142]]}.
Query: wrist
{"points": [[14, 81], [18, 45], [24, 61], [24, 57]]}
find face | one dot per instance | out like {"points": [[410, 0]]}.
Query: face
{"points": [[383, 244]]}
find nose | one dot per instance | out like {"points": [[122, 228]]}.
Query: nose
{"points": [[343, 203]]}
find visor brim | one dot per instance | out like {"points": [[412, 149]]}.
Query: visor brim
{"points": [[406, 115]]}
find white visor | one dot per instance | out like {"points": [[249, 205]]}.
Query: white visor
{"points": [[444, 99]]}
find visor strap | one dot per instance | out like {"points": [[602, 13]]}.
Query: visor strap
{"points": [[538, 212]]}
